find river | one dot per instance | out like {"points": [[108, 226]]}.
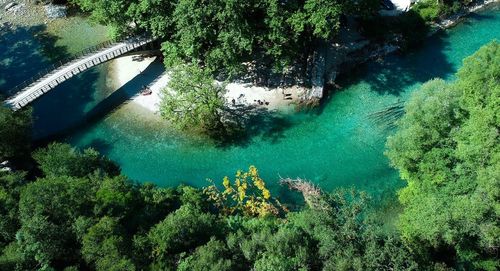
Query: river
{"points": [[335, 145]]}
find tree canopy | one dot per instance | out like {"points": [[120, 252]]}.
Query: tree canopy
{"points": [[192, 99], [220, 35], [448, 150], [85, 220], [15, 133]]}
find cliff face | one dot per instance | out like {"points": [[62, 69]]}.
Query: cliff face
{"points": [[331, 58], [351, 48]]}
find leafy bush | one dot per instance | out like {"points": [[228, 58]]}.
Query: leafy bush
{"points": [[429, 10], [448, 150]]}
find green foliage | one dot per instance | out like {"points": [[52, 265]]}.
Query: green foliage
{"points": [[60, 215], [216, 33], [10, 189], [11, 258], [346, 240], [192, 99], [221, 35], [289, 248], [104, 244], [448, 150], [429, 10], [15, 133], [47, 209], [180, 231], [59, 159], [321, 16], [113, 13], [114, 197], [192, 196], [213, 256], [97, 222]]}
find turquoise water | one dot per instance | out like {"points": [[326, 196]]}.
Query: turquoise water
{"points": [[335, 145], [26, 50]]}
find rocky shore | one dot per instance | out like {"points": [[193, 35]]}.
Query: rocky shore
{"points": [[353, 50], [452, 20]]}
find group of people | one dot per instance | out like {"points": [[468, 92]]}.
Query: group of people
{"points": [[263, 102]]}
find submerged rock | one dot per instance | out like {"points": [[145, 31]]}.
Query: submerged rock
{"points": [[9, 6], [55, 11]]}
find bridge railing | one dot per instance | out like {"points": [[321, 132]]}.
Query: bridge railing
{"points": [[65, 61]]}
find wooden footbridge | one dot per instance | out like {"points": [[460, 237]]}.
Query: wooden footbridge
{"points": [[54, 75]]}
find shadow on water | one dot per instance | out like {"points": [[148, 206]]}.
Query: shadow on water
{"points": [[103, 146], [246, 123], [66, 104], [393, 74], [83, 119], [125, 93], [476, 17], [22, 54]]}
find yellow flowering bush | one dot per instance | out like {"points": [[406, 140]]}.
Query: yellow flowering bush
{"points": [[247, 195]]}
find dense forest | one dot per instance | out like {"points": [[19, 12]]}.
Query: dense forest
{"points": [[65, 209], [222, 35], [227, 40]]}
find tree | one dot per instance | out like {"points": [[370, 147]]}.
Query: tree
{"points": [[115, 197], [15, 133], [217, 34], [10, 189], [47, 211], [346, 239], [59, 159], [288, 249], [221, 35], [192, 99], [104, 246], [447, 149], [248, 195], [181, 231], [321, 17], [109, 12], [213, 256], [153, 15]]}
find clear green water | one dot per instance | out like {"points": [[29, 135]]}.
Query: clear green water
{"points": [[26, 50], [336, 145]]}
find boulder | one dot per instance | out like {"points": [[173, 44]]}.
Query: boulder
{"points": [[55, 11], [10, 5]]}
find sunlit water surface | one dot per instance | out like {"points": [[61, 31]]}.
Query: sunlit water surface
{"points": [[336, 145]]}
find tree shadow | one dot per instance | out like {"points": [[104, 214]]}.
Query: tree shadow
{"points": [[477, 17], [125, 93], [108, 105], [27, 51], [242, 124], [22, 54], [103, 146], [261, 73], [66, 104], [394, 73]]}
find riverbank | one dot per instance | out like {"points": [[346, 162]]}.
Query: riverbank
{"points": [[124, 69], [454, 19]]}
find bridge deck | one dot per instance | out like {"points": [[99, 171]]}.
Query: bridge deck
{"points": [[68, 70]]}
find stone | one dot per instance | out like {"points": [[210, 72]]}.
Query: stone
{"points": [[10, 5], [55, 11]]}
